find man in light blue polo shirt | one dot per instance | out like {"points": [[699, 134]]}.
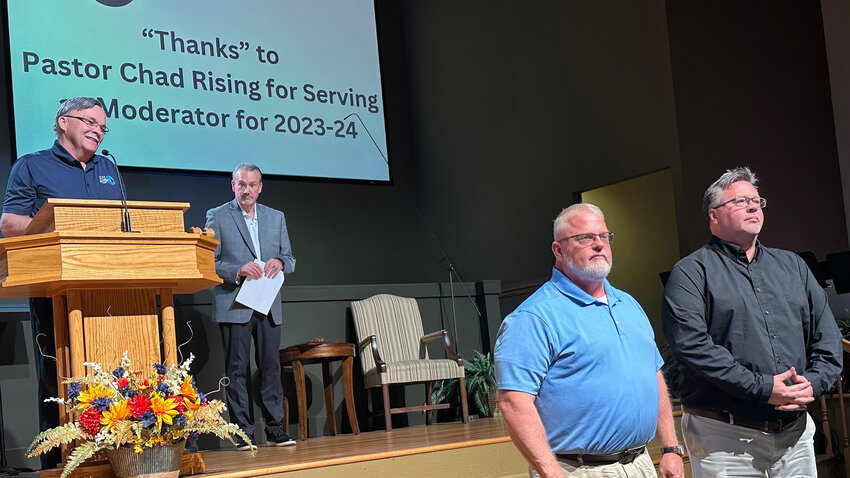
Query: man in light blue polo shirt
{"points": [[578, 370]]}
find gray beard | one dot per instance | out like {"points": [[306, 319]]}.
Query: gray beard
{"points": [[594, 271]]}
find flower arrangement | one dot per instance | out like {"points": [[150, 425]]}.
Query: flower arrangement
{"points": [[129, 407]]}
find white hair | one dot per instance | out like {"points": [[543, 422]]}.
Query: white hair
{"points": [[569, 212]]}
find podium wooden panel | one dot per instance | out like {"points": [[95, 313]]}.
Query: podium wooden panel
{"points": [[112, 291]]}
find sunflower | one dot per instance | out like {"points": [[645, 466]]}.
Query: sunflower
{"points": [[91, 394], [163, 409], [117, 412]]}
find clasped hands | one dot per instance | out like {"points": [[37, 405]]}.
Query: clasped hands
{"points": [[789, 398], [254, 271]]}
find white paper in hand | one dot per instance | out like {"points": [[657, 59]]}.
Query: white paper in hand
{"points": [[259, 294]]}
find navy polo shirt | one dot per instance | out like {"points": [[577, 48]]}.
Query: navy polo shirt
{"points": [[54, 173]]}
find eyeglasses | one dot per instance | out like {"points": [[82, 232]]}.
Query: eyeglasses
{"points": [[743, 201], [90, 122], [587, 239]]}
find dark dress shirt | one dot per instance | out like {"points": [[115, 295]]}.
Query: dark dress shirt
{"points": [[734, 324]]}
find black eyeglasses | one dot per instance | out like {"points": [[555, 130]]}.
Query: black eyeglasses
{"points": [[90, 122], [587, 239], [743, 201]]}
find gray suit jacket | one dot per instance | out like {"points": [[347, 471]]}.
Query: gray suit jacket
{"points": [[236, 249]]}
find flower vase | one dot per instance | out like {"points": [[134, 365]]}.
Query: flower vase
{"points": [[159, 461]]}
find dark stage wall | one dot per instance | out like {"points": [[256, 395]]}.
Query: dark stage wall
{"points": [[752, 87]]}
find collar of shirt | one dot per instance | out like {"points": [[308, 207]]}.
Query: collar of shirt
{"points": [[248, 216], [60, 152], [568, 288], [734, 252]]}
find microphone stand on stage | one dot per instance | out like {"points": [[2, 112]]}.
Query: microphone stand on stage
{"points": [[450, 267]]}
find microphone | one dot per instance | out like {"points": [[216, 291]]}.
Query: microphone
{"points": [[127, 227]]}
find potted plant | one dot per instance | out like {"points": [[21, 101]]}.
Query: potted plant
{"points": [[137, 418], [480, 385]]}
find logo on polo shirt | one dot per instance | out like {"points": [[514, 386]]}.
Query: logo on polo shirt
{"points": [[107, 180]]}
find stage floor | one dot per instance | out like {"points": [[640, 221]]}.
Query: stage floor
{"points": [[479, 449], [378, 450]]}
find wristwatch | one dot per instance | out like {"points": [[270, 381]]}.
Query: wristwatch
{"points": [[678, 449]]}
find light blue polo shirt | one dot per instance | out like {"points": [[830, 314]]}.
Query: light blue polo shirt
{"points": [[591, 365]]}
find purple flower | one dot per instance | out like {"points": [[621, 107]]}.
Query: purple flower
{"points": [[74, 390], [148, 418], [164, 389], [118, 372], [102, 403], [160, 368], [128, 392], [180, 420]]}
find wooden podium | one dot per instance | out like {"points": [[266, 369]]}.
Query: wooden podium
{"points": [[112, 291]]}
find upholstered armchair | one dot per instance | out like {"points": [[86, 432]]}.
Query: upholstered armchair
{"points": [[393, 350]]}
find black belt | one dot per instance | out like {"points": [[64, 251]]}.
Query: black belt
{"points": [[625, 457], [773, 426]]}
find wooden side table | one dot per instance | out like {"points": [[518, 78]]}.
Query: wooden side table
{"points": [[324, 353]]}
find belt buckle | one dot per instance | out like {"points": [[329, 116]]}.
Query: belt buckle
{"points": [[627, 456], [778, 425]]}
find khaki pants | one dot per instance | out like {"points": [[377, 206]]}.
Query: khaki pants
{"points": [[718, 449], [642, 467]]}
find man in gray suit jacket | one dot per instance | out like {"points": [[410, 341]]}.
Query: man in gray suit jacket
{"points": [[249, 231]]}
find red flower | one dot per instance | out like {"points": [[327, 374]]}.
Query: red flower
{"points": [[123, 382], [179, 401], [139, 405], [90, 420]]}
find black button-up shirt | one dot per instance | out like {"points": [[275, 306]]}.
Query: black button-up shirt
{"points": [[733, 324]]}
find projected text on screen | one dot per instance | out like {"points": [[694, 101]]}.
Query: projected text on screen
{"points": [[201, 85]]}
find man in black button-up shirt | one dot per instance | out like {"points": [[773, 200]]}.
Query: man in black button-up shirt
{"points": [[755, 340]]}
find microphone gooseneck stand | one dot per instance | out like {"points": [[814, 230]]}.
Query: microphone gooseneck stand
{"points": [[127, 227]]}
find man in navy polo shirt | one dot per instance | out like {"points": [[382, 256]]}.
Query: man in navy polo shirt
{"points": [[70, 169], [578, 370]]}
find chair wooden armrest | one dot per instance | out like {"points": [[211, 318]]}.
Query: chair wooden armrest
{"points": [[373, 342], [434, 336]]}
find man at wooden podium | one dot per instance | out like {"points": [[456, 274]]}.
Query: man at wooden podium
{"points": [[69, 169], [251, 234]]}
